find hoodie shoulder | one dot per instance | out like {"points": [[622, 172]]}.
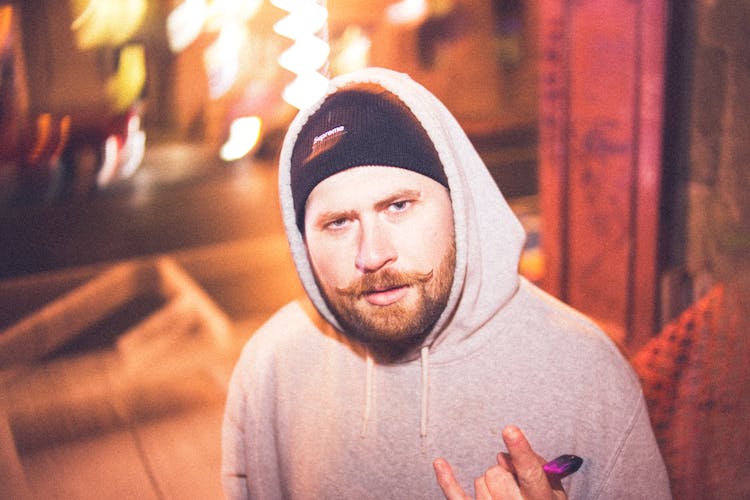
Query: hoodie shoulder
{"points": [[572, 339], [286, 326]]}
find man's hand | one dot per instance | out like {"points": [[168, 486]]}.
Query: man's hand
{"points": [[518, 474]]}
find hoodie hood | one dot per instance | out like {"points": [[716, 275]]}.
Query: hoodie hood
{"points": [[489, 237]]}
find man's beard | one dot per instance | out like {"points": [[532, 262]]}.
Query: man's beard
{"points": [[403, 324]]}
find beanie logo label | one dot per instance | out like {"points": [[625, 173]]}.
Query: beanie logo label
{"points": [[326, 135], [327, 140]]}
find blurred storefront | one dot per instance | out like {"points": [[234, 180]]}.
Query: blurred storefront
{"points": [[90, 83]]}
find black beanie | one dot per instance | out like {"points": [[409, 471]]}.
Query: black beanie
{"points": [[355, 128]]}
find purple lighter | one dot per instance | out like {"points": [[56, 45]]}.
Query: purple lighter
{"points": [[562, 466]]}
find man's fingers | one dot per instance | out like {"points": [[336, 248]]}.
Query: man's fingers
{"points": [[500, 483], [518, 474], [447, 481], [481, 490], [503, 460], [527, 464]]}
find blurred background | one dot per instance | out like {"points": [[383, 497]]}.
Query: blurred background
{"points": [[141, 241]]}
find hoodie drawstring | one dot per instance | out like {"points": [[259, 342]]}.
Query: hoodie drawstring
{"points": [[425, 359], [425, 392], [370, 373]]}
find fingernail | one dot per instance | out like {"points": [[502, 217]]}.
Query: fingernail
{"points": [[512, 432]]}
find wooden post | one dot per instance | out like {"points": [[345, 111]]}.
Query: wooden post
{"points": [[601, 88]]}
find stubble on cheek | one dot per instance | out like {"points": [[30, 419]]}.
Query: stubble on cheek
{"points": [[405, 319]]}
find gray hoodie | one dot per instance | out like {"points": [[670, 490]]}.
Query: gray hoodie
{"points": [[310, 415]]}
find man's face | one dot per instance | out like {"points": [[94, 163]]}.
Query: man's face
{"points": [[382, 246]]}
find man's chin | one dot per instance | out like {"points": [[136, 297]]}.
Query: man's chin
{"points": [[389, 329], [390, 346], [377, 332]]}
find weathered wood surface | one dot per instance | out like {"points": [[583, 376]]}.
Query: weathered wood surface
{"points": [[138, 416], [602, 75]]}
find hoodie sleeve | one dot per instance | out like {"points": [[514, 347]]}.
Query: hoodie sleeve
{"points": [[233, 466], [250, 462], [638, 470]]}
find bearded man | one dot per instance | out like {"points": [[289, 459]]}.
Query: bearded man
{"points": [[420, 353]]}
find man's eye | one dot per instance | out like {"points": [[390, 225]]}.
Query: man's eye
{"points": [[399, 206], [336, 223]]}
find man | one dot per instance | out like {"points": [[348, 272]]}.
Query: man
{"points": [[422, 359]]}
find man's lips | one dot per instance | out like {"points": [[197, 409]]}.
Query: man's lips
{"points": [[385, 287], [386, 296]]}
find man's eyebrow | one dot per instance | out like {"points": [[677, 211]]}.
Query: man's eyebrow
{"points": [[402, 194], [327, 216], [324, 218]]}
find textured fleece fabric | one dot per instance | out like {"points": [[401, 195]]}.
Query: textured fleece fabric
{"points": [[309, 415]]}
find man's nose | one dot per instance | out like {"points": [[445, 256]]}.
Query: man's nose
{"points": [[376, 249]]}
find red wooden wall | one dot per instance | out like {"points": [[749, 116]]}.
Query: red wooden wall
{"points": [[601, 92]]}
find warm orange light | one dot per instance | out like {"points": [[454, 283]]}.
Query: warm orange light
{"points": [[407, 11], [63, 140], [307, 19], [532, 264], [307, 88], [126, 86], [43, 134], [6, 12], [354, 52], [244, 134], [224, 12], [185, 23], [222, 59], [309, 52], [106, 22]]}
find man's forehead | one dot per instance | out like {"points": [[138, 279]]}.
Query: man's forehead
{"points": [[369, 183]]}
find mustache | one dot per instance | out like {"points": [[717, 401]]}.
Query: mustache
{"points": [[383, 280]]}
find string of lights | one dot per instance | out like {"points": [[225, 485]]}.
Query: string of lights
{"points": [[307, 58]]}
